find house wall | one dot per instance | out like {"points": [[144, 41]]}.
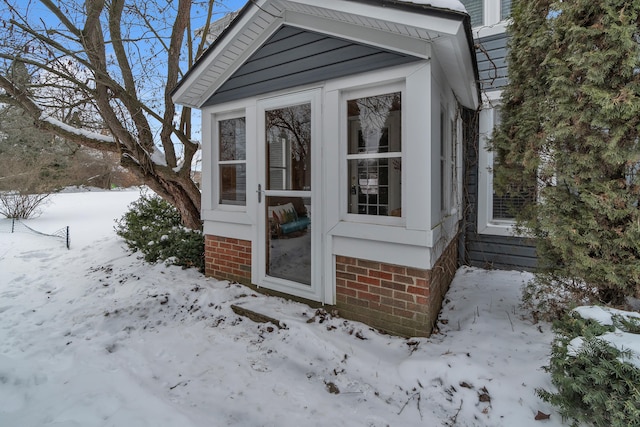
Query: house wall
{"points": [[485, 244]]}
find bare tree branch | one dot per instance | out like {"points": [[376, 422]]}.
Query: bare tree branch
{"points": [[62, 17], [116, 59], [18, 96]]}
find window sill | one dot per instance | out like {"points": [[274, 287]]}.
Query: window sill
{"points": [[490, 30], [387, 233], [376, 220], [498, 228], [234, 216]]}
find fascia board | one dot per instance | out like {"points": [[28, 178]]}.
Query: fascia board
{"points": [[256, 44], [209, 58], [446, 28], [453, 56], [390, 14]]}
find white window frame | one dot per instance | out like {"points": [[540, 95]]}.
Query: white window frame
{"points": [[217, 202], [350, 94], [486, 223], [449, 159], [492, 22]]}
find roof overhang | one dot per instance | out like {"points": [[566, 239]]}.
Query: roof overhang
{"points": [[406, 27]]}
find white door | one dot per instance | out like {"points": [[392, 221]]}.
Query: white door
{"points": [[288, 181]]}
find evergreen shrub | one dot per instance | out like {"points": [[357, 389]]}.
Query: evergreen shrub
{"points": [[153, 227], [596, 384], [570, 132]]}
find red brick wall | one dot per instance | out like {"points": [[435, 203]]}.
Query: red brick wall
{"points": [[227, 259], [393, 298], [397, 299]]}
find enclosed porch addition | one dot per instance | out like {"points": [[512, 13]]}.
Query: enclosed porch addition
{"points": [[332, 135]]}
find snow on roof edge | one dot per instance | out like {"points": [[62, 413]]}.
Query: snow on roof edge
{"points": [[440, 4]]}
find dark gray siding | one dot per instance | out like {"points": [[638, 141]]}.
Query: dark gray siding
{"points": [[293, 57], [492, 63], [484, 250]]}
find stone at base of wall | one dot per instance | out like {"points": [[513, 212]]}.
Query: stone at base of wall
{"points": [[393, 298]]}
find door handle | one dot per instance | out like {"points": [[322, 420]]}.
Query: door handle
{"points": [[259, 193]]}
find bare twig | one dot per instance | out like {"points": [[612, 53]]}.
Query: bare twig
{"points": [[454, 418], [509, 316], [409, 400]]}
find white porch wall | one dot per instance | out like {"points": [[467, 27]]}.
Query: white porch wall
{"points": [[415, 240], [444, 224]]}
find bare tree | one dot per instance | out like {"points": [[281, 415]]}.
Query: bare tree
{"points": [[118, 60]]}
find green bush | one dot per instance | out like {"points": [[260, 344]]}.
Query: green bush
{"points": [[153, 227], [596, 386]]}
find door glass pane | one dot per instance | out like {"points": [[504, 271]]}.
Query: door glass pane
{"points": [[289, 238], [289, 148]]}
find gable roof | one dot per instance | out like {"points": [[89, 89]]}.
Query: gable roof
{"points": [[296, 57], [406, 29]]}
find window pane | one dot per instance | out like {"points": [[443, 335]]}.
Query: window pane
{"points": [[375, 186], [505, 9], [475, 8], [233, 184], [375, 124], [507, 205], [232, 136], [289, 148], [289, 238]]}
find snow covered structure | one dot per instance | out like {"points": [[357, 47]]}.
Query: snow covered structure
{"points": [[333, 135]]}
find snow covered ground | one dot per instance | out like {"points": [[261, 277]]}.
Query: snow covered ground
{"points": [[93, 336]]}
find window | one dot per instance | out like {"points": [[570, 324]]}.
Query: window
{"points": [[444, 179], [505, 9], [487, 223], [447, 160], [496, 211], [475, 8], [232, 161], [487, 12], [374, 155], [504, 206]]}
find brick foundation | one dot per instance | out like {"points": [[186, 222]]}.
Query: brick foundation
{"points": [[397, 299], [227, 259], [393, 298]]}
